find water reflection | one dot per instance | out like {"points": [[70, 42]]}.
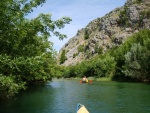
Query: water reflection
{"points": [[62, 96]]}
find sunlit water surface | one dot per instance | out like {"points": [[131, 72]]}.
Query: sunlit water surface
{"points": [[62, 96]]}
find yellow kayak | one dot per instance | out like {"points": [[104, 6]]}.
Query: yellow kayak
{"points": [[85, 81], [81, 109]]}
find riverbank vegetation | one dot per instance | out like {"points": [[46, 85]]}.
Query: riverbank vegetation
{"points": [[128, 62], [26, 55]]}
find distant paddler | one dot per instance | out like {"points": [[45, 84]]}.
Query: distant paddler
{"points": [[85, 80]]}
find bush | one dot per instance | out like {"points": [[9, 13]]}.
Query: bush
{"points": [[130, 61], [125, 55], [9, 86], [98, 50], [137, 61], [75, 54], [123, 18], [81, 48], [63, 57], [86, 34]]}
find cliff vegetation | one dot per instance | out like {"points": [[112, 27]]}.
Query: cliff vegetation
{"points": [[115, 46]]}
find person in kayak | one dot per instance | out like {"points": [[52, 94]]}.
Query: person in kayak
{"points": [[84, 79]]}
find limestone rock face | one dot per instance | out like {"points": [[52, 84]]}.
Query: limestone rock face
{"points": [[106, 32]]}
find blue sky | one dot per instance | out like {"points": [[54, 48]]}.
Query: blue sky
{"points": [[80, 11]]}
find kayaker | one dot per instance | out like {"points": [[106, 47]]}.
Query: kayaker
{"points": [[84, 79]]}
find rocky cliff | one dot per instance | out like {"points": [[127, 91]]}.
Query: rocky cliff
{"points": [[107, 32]]}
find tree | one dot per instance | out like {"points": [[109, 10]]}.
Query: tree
{"points": [[26, 55], [137, 61], [133, 60], [63, 57]]}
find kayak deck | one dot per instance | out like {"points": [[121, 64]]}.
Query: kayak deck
{"points": [[81, 109]]}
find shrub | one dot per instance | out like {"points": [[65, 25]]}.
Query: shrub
{"points": [[63, 57], [75, 54], [81, 48], [86, 34], [123, 18]]}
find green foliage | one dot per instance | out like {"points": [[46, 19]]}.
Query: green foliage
{"points": [[98, 50], [75, 54], [86, 34], [105, 67], [145, 14], [133, 61], [88, 54], [125, 48], [60, 71], [118, 54], [137, 61], [129, 61], [63, 57], [8, 86], [26, 55], [123, 18], [24, 71], [99, 67], [69, 72], [80, 48], [138, 1]]}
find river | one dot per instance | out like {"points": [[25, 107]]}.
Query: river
{"points": [[62, 96]]}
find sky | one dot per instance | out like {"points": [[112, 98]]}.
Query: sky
{"points": [[82, 12]]}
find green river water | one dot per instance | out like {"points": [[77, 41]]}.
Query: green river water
{"points": [[62, 96]]}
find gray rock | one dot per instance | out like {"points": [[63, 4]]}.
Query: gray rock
{"points": [[133, 14], [106, 32]]}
